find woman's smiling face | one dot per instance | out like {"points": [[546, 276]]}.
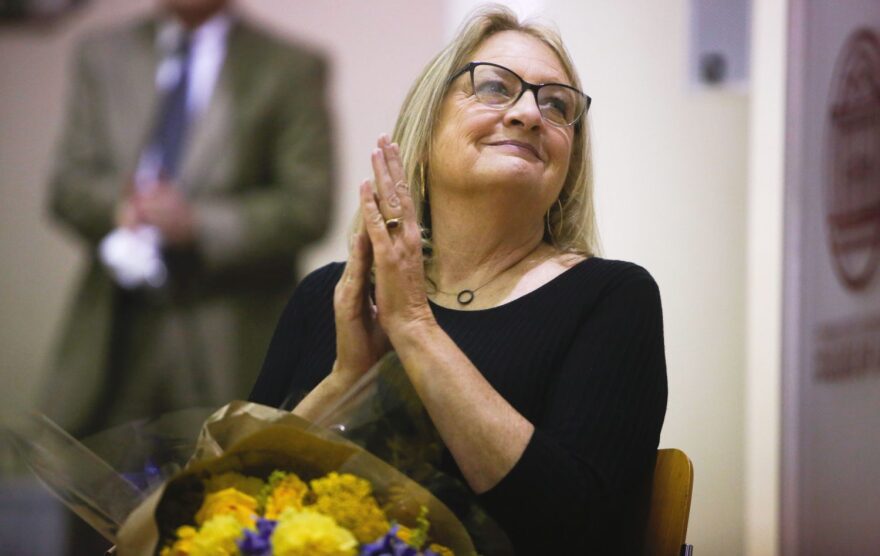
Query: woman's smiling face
{"points": [[477, 146]]}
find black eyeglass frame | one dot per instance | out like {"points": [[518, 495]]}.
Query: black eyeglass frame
{"points": [[525, 86]]}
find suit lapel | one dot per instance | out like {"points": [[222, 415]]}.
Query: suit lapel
{"points": [[138, 87], [209, 141], [207, 161]]}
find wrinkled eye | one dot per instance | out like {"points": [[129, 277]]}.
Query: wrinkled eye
{"points": [[557, 104], [494, 87]]}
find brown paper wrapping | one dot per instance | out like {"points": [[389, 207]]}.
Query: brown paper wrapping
{"points": [[254, 440]]}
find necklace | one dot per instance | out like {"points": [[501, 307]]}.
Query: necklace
{"points": [[467, 295]]}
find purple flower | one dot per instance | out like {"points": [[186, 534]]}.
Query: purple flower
{"points": [[145, 478], [258, 543], [390, 545]]}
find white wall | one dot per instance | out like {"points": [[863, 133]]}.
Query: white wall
{"points": [[764, 278]]}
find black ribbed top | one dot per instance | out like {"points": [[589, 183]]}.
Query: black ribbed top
{"points": [[581, 358]]}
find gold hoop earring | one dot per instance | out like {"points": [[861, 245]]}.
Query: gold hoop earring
{"points": [[425, 206], [422, 184], [561, 216]]}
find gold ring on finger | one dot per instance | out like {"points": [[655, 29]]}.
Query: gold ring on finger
{"points": [[392, 223]]}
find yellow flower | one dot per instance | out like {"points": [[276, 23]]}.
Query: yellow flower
{"points": [[348, 499], [217, 537], [307, 533], [248, 485], [183, 545], [334, 484], [404, 533], [230, 502], [416, 537], [441, 550], [287, 491]]}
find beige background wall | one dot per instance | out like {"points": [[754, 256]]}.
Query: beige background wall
{"points": [[764, 278], [672, 182]]}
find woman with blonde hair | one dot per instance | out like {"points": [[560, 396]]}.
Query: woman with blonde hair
{"points": [[541, 365]]}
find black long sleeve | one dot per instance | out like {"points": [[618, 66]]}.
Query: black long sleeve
{"points": [[581, 358]]}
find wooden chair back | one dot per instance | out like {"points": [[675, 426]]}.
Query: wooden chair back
{"points": [[670, 504]]}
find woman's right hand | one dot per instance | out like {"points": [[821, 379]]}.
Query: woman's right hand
{"points": [[360, 341]]}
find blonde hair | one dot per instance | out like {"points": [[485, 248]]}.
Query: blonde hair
{"points": [[570, 223]]}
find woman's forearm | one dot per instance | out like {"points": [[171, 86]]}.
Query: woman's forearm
{"points": [[485, 434], [325, 393]]}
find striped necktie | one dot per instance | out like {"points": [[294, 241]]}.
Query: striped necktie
{"points": [[170, 137]]}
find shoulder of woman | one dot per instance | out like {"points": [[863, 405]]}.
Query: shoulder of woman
{"points": [[319, 280], [313, 291], [621, 280], [329, 273], [616, 270], [633, 290]]}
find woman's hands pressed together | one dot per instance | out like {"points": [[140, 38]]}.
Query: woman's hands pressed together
{"points": [[390, 222], [391, 241], [360, 341]]}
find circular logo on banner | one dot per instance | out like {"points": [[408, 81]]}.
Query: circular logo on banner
{"points": [[853, 161]]}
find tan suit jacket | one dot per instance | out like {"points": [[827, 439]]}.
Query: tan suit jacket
{"points": [[258, 172]]}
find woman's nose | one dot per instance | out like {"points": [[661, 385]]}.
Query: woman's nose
{"points": [[524, 112]]}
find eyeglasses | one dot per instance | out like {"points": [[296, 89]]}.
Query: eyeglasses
{"points": [[498, 87]]}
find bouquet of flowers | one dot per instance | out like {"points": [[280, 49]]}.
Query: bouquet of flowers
{"points": [[257, 480], [263, 481], [336, 514]]}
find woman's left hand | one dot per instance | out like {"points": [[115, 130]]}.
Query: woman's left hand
{"points": [[390, 221], [454, 392]]}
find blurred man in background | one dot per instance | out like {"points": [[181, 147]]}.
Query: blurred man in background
{"points": [[195, 164]]}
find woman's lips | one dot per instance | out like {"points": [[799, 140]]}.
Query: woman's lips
{"points": [[519, 145]]}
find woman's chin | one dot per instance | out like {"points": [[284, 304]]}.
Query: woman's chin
{"points": [[508, 168]]}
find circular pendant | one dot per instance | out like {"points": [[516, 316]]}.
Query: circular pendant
{"points": [[465, 296]]}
